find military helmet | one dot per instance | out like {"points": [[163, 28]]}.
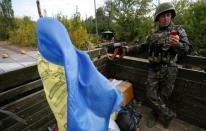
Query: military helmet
{"points": [[164, 7]]}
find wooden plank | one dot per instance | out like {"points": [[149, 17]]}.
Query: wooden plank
{"points": [[100, 62], [132, 62], [101, 68], [193, 75], [24, 102], [198, 111], [195, 106], [25, 113], [190, 83], [32, 54], [18, 77], [194, 100], [183, 73], [197, 61], [192, 113], [23, 59], [192, 120], [40, 122], [33, 118], [135, 75], [9, 64], [1, 71], [139, 91], [98, 52], [8, 50], [128, 73], [50, 123], [192, 88], [18, 92]]}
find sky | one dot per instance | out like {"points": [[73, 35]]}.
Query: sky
{"points": [[65, 7]]}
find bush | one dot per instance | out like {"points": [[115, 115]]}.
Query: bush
{"points": [[6, 19], [6, 24], [77, 31], [24, 33]]}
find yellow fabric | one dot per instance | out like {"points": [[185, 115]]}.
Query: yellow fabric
{"points": [[54, 82]]}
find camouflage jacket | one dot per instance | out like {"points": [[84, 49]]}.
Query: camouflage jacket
{"points": [[158, 46]]}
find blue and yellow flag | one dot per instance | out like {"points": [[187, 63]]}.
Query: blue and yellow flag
{"points": [[91, 98]]}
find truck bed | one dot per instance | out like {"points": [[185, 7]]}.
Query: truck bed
{"points": [[21, 91]]}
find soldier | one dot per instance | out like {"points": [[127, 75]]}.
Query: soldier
{"points": [[163, 45]]}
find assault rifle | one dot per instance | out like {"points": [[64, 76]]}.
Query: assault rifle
{"points": [[115, 49]]}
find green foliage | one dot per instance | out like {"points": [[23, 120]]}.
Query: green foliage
{"points": [[77, 31], [24, 34], [102, 20], [130, 19], [90, 25], [94, 39], [6, 19], [124, 15], [127, 18], [198, 32], [193, 17], [6, 9]]}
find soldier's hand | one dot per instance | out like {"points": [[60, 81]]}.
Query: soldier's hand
{"points": [[174, 40]]}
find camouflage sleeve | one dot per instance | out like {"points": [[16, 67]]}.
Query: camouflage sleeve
{"points": [[140, 47], [184, 45]]}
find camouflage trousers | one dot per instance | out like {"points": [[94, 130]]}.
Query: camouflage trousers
{"points": [[160, 84]]}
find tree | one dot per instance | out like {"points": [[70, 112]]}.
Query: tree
{"points": [[129, 19], [197, 20], [76, 30], [6, 18], [193, 17], [24, 34], [124, 16], [143, 21], [102, 20], [6, 9], [89, 24], [108, 9]]}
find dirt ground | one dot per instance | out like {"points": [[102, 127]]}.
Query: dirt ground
{"points": [[7, 47], [13, 57]]}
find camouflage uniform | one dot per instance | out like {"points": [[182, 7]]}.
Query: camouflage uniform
{"points": [[162, 64]]}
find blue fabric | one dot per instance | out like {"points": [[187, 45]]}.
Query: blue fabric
{"points": [[91, 98]]}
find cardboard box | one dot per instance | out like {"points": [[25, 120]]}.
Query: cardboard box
{"points": [[127, 90]]}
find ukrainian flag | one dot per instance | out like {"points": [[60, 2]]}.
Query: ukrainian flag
{"points": [[81, 98]]}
